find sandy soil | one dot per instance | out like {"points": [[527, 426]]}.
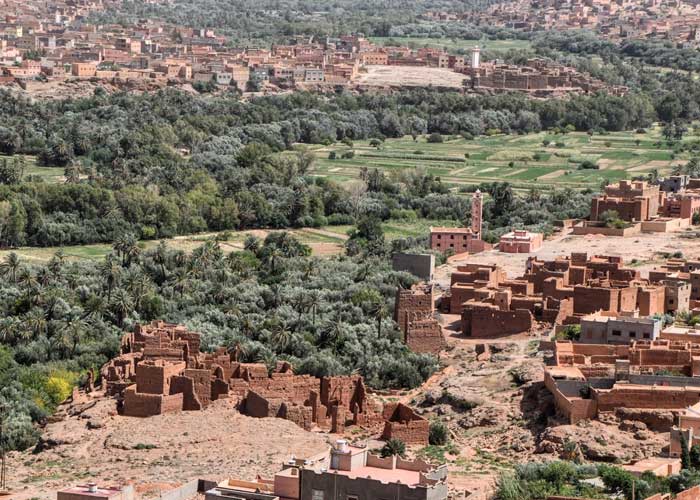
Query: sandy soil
{"points": [[96, 444], [410, 76]]}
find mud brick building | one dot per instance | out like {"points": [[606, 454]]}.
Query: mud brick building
{"points": [[632, 200], [401, 422], [416, 303], [681, 272], [588, 379], [520, 241], [413, 311]]}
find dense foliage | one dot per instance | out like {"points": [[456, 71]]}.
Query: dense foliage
{"points": [[538, 481], [265, 21], [170, 163]]}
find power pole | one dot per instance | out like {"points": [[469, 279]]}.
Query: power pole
{"points": [[3, 466]]}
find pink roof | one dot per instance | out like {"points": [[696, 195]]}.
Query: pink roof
{"points": [[450, 230], [100, 493], [408, 477]]}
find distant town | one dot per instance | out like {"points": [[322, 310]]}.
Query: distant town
{"points": [[672, 20], [41, 44]]}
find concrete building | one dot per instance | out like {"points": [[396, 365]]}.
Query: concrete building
{"points": [[602, 329], [355, 474], [91, 491]]}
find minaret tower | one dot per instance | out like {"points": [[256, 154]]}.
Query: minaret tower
{"points": [[477, 212], [476, 57]]}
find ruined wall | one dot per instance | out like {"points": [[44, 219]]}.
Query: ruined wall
{"points": [[425, 336], [401, 422], [418, 302], [154, 377], [488, 321], [146, 405]]}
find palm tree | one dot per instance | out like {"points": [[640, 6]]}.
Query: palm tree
{"points": [[313, 301], [72, 330], [127, 247], [11, 266], [27, 278], [122, 305], [110, 271], [380, 310], [394, 447], [180, 280], [36, 321], [94, 307], [281, 336], [160, 257], [139, 285]]}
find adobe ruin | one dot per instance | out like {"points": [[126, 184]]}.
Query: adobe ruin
{"points": [[161, 370], [414, 312]]}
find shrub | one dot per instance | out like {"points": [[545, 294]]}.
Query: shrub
{"points": [[332, 155], [588, 165], [439, 434], [393, 447], [435, 138], [349, 155], [570, 332]]}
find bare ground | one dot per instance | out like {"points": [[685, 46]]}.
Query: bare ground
{"points": [[96, 444], [410, 76]]}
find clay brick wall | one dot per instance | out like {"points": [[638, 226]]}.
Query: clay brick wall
{"points": [[155, 378], [401, 422], [651, 300], [185, 386], [340, 389], [519, 287], [645, 397], [588, 300], [554, 287], [460, 293], [413, 432], [483, 320], [146, 405], [690, 494], [418, 302], [201, 385], [425, 336], [294, 388]]}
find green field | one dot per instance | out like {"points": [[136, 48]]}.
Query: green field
{"points": [[329, 240], [452, 44], [522, 160], [48, 174]]}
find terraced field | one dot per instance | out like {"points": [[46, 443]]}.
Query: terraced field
{"points": [[523, 160]]}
